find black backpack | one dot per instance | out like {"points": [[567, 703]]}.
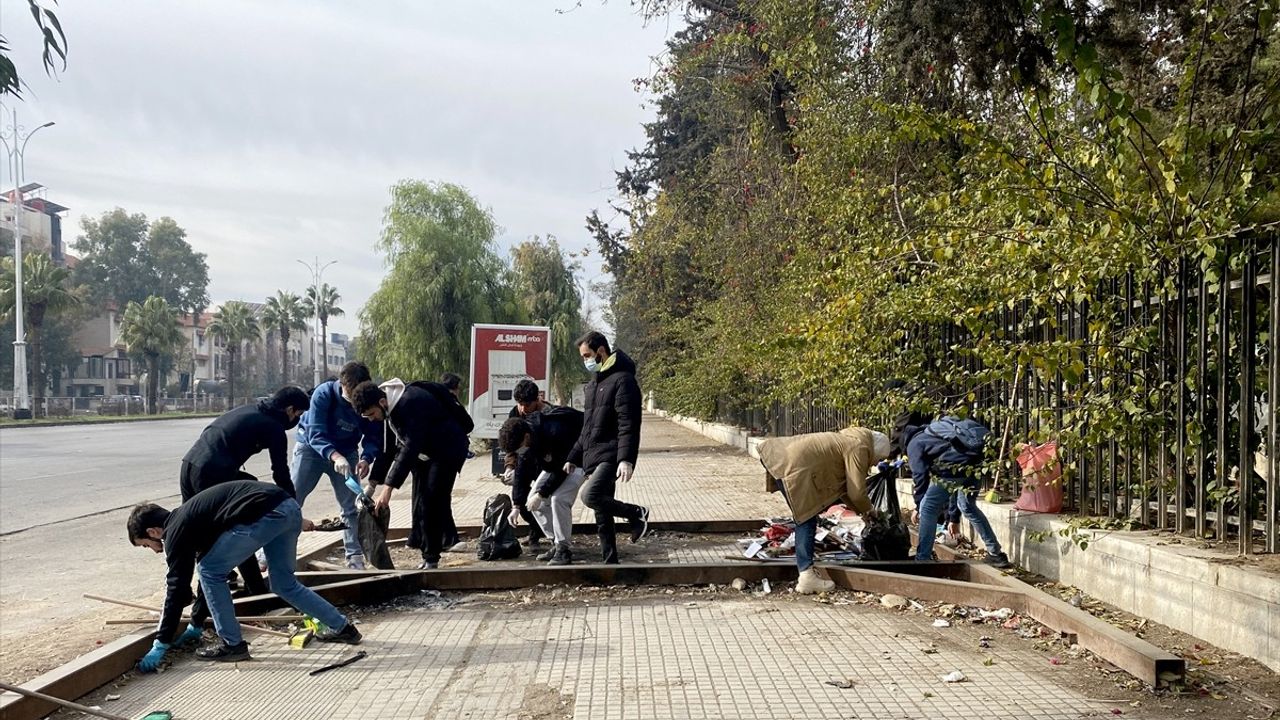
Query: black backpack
{"points": [[498, 538]]}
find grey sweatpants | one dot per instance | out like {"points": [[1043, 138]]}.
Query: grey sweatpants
{"points": [[555, 515]]}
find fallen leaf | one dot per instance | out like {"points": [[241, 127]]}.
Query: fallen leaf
{"points": [[989, 662], [842, 684]]}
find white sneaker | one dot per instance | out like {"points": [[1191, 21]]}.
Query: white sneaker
{"points": [[811, 582], [460, 546], [355, 562]]}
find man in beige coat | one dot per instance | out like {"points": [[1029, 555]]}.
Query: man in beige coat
{"points": [[815, 471]]}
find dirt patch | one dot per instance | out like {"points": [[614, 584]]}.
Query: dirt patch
{"points": [[543, 702]]}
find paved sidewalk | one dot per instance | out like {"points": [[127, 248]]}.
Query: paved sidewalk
{"points": [[614, 654]]}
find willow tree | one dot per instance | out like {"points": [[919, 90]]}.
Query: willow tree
{"points": [[443, 275]]}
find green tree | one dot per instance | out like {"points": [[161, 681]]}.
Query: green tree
{"points": [[126, 258], [47, 296], [53, 39], [236, 324], [443, 276], [323, 305], [546, 286], [284, 312], [150, 330]]}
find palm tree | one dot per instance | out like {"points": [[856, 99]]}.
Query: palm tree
{"points": [[285, 313], [324, 305], [235, 323], [45, 295], [151, 330]]}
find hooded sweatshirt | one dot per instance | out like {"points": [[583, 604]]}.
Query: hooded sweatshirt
{"points": [[421, 429]]}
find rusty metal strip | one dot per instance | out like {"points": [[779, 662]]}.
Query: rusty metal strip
{"points": [[932, 589], [78, 677], [1130, 653]]}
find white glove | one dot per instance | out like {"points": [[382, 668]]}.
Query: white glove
{"points": [[535, 502], [340, 464], [569, 468], [509, 476], [624, 471], [514, 517]]}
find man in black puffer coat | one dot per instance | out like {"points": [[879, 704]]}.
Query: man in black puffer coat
{"points": [[610, 441]]}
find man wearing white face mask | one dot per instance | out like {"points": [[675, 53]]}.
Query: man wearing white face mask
{"points": [[610, 441], [329, 437]]}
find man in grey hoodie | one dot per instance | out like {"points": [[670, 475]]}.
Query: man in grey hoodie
{"points": [[428, 437]]}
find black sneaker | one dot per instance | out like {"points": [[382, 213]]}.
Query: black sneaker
{"points": [[562, 555], [640, 526], [998, 560], [222, 652], [348, 634], [535, 543]]}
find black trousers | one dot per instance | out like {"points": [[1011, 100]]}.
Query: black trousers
{"points": [[598, 494], [193, 479], [432, 508]]}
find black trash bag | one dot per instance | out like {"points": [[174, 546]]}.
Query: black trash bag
{"points": [[497, 538], [887, 537], [371, 528]]}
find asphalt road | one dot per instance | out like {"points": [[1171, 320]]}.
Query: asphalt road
{"points": [[55, 474], [65, 492]]}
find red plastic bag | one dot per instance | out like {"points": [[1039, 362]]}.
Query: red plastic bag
{"points": [[778, 532], [1041, 479]]}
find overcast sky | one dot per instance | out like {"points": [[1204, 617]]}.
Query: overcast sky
{"points": [[272, 131]]}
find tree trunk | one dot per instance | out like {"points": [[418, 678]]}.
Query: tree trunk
{"points": [[284, 357], [153, 384], [231, 379], [36, 371], [324, 345]]}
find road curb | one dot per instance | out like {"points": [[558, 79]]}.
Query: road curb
{"points": [[61, 423]]}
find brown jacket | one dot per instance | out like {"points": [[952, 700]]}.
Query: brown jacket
{"points": [[820, 469]]}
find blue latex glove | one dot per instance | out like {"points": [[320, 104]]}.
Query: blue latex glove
{"points": [[354, 485], [151, 661], [190, 635]]}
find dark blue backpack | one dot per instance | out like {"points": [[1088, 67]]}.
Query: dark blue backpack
{"points": [[966, 436]]}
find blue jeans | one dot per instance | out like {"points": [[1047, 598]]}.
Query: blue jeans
{"points": [[307, 468], [935, 501], [806, 537], [277, 534]]}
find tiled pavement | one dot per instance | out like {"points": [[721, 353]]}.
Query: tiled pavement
{"points": [[726, 655]]}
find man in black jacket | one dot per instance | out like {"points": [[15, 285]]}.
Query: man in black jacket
{"points": [[528, 397], [610, 440], [229, 441], [219, 527], [429, 437], [540, 444]]}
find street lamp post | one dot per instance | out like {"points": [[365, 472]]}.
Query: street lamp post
{"points": [[17, 167], [318, 344]]}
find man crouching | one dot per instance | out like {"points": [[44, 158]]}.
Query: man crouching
{"points": [[220, 527]]}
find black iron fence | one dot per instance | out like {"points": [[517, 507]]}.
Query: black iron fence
{"points": [[1157, 385]]}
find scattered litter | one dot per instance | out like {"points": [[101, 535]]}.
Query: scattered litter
{"points": [[764, 585], [954, 676], [1055, 661], [940, 623], [893, 601], [984, 642], [691, 604], [917, 606], [1001, 614], [113, 697], [1117, 711], [430, 593], [739, 584], [1012, 623], [989, 662], [842, 684], [929, 650]]}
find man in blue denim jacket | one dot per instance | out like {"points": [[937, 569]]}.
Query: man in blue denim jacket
{"points": [[944, 456], [329, 436]]}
